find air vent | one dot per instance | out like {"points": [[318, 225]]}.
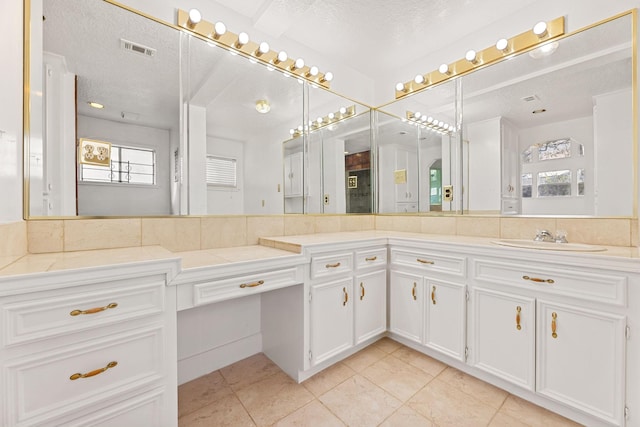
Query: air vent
{"points": [[137, 48], [530, 98]]}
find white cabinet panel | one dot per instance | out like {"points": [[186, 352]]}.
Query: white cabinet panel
{"points": [[370, 305], [445, 317], [407, 302]]}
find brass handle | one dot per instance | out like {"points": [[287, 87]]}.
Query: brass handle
{"points": [[346, 297], [252, 284], [433, 295], [425, 261], [362, 291], [518, 310], [554, 324], [537, 279], [372, 258], [413, 291], [337, 264], [93, 373], [94, 310]]}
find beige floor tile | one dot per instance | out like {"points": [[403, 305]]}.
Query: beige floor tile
{"points": [[533, 415], [201, 392], [479, 389], [397, 377], [504, 420], [406, 417], [227, 411], [387, 345], [248, 371], [359, 402], [447, 406], [428, 364], [325, 380], [273, 398], [314, 414], [364, 358]]}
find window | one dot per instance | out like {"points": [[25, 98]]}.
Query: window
{"points": [[554, 183], [128, 166], [527, 183], [221, 172]]}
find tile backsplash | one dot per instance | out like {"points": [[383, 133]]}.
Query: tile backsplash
{"points": [[194, 233]]}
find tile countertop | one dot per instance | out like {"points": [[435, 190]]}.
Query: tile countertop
{"points": [[296, 243]]}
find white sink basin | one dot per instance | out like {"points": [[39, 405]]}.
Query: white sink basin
{"points": [[549, 246]]}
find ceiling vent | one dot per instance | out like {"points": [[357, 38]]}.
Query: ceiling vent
{"points": [[137, 48], [530, 98]]}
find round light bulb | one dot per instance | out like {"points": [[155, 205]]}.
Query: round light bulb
{"points": [[400, 87], [540, 29], [299, 63], [429, 119], [502, 44], [319, 120], [471, 55], [331, 116], [419, 79], [194, 17], [219, 29], [417, 115], [243, 38], [440, 124], [300, 128], [292, 131], [328, 76], [263, 48], [343, 110], [313, 71], [444, 69], [282, 56], [423, 119]]}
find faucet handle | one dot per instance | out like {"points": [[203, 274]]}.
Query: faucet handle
{"points": [[561, 236]]}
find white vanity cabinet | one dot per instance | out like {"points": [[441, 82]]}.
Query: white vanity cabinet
{"points": [[555, 329], [428, 298], [89, 347]]}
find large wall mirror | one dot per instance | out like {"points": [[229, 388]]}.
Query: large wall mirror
{"points": [[547, 132]]}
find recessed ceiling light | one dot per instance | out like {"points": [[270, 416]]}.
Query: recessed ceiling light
{"points": [[263, 106], [95, 105]]}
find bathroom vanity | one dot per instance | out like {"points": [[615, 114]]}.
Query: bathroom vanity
{"points": [[108, 344]]}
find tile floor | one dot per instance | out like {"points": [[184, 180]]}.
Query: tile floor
{"points": [[385, 384]]}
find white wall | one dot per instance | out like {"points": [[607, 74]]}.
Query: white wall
{"points": [[224, 200], [196, 156], [117, 199], [484, 165]]}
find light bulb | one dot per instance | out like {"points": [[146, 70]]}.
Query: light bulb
{"points": [[440, 124], [194, 17], [299, 63], [292, 131], [282, 56], [343, 110], [313, 71], [419, 79], [423, 119], [300, 128], [328, 76], [417, 115], [502, 45], [400, 87], [429, 119], [262, 49], [444, 69], [540, 29], [319, 120], [219, 29], [243, 38], [471, 56], [331, 116]]}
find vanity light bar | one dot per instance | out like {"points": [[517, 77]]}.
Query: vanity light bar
{"points": [[428, 122], [240, 43], [541, 33], [331, 118]]}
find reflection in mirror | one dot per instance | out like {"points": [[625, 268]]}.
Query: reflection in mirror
{"points": [[418, 160], [127, 65], [558, 123], [331, 173]]}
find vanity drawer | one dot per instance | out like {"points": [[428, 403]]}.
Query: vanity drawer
{"points": [[239, 286], [54, 313], [39, 388], [609, 288], [331, 265], [436, 262], [371, 258]]}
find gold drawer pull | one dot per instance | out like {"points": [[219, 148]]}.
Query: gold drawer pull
{"points": [[518, 310], [371, 258], [361, 291], [433, 295], [337, 264], [94, 310], [424, 261], [252, 284], [93, 373], [413, 291], [554, 324], [346, 297], [538, 280]]}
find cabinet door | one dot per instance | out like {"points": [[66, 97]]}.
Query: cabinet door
{"points": [[293, 175], [503, 331], [406, 305], [370, 305], [331, 319], [580, 359], [407, 159], [445, 317]]}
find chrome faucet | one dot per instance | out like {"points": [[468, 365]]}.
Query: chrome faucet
{"points": [[546, 236]]}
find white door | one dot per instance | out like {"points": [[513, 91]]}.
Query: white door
{"points": [[580, 359], [370, 305], [331, 319], [445, 317], [503, 336], [406, 294]]}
